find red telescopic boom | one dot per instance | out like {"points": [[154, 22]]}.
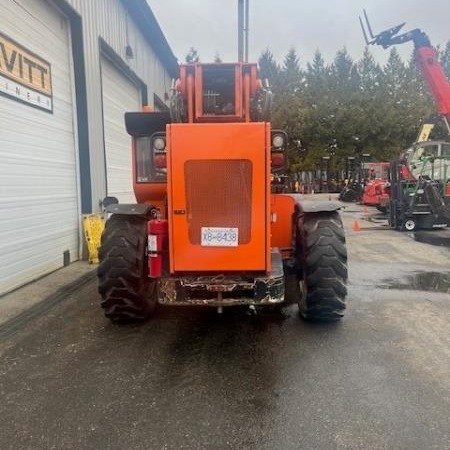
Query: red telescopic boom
{"points": [[426, 60]]}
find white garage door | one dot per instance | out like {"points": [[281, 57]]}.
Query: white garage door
{"points": [[39, 218], [120, 95]]}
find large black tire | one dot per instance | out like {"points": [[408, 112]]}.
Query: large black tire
{"points": [[127, 292], [322, 259]]}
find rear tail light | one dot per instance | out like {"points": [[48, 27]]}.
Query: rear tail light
{"points": [[151, 158], [278, 159], [159, 154], [160, 161]]}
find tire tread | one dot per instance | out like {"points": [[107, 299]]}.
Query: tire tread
{"points": [[127, 293], [324, 260]]}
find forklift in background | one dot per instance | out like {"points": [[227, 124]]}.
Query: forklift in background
{"points": [[420, 187], [377, 186]]}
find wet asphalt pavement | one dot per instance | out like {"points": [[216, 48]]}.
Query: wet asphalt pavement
{"points": [[191, 379]]}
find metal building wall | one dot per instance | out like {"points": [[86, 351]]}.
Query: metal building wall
{"points": [[39, 198], [109, 20]]}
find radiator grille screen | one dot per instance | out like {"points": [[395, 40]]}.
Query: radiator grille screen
{"points": [[218, 194]]}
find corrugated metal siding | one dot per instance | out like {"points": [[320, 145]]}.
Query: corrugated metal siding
{"points": [[119, 96], [108, 19], [39, 217]]}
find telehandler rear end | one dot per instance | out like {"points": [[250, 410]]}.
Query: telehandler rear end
{"points": [[206, 229]]}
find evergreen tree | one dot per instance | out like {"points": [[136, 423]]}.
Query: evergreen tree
{"points": [[192, 56], [268, 68], [326, 104], [395, 77], [291, 75], [316, 69], [339, 122], [344, 73], [370, 73], [315, 96], [316, 79], [368, 107]]}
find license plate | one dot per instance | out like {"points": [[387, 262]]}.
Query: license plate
{"points": [[219, 237]]}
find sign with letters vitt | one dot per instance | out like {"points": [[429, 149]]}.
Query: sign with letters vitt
{"points": [[24, 76]]}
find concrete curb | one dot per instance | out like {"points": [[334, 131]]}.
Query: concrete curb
{"points": [[14, 324], [31, 300]]}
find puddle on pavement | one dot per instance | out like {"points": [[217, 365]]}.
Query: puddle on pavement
{"points": [[420, 281]]}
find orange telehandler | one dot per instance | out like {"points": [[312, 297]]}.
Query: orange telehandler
{"points": [[206, 229]]}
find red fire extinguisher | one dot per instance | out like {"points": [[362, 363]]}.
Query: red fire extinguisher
{"points": [[157, 234]]}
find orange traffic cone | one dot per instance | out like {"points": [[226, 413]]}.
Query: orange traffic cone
{"points": [[356, 226]]}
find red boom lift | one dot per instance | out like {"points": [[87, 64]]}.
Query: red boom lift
{"points": [[420, 201], [426, 59]]}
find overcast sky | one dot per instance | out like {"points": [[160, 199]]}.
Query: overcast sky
{"points": [[211, 25]]}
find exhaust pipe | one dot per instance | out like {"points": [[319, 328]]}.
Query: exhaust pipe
{"points": [[243, 15], [240, 30]]}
